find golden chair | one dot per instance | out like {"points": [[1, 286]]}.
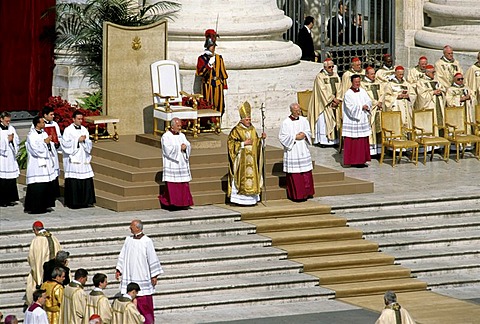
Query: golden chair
{"points": [[167, 90], [303, 98], [394, 136], [425, 127], [456, 127]]}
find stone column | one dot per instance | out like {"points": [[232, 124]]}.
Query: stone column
{"points": [[250, 33], [262, 67], [452, 22]]}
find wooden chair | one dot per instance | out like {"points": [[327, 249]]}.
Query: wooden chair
{"points": [[167, 90], [394, 136], [303, 98], [456, 132], [424, 126]]}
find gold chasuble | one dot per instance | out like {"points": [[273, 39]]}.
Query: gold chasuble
{"points": [[244, 160]]}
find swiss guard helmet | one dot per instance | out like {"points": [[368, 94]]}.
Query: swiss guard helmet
{"points": [[210, 38]]}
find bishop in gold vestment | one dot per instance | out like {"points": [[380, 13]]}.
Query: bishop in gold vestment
{"points": [[245, 160]]}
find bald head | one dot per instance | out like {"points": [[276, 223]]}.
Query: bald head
{"points": [[136, 226], [448, 52]]}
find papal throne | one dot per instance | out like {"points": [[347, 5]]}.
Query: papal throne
{"points": [[167, 100]]}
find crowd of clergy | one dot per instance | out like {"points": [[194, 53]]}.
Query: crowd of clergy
{"points": [[42, 144], [390, 88], [52, 297]]}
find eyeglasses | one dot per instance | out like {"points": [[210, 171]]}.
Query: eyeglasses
{"points": [[460, 79], [329, 67]]}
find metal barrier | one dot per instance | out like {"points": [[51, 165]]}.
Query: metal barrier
{"points": [[362, 28]]}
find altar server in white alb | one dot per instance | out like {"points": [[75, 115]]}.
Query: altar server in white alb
{"points": [[138, 262], [295, 137], [176, 168], [40, 170], [9, 171], [356, 129], [76, 146], [53, 130]]}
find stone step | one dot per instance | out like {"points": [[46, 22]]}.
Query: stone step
{"points": [[336, 276], [357, 260], [376, 287], [398, 203], [160, 235], [143, 156], [273, 297], [108, 254], [296, 223], [419, 214], [415, 253], [328, 248], [452, 280], [121, 221], [419, 240], [314, 235], [238, 285], [200, 287], [425, 226], [437, 267]]}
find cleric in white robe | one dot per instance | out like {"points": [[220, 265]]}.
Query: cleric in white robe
{"points": [[356, 127], [40, 170], [52, 129], [9, 171], [295, 136], [393, 313], [138, 262], [35, 314], [76, 147], [176, 168]]}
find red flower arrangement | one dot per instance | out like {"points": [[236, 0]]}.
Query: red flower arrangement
{"points": [[63, 111], [201, 104]]}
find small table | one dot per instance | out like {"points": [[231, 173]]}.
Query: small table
{"points": [[96, 120]]}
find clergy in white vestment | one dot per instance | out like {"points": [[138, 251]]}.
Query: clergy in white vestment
{"points": [[9, 171], [35, 313], [323, 105], [387, 71], [459, 95], [53, 130], [447, 66], [43, 247], [356, 127], [375, 91], [97, 302], [295, 136], [124, 309], [40, 170], [472, 78], [400, 96], [393, 313], [176, 168], [138, 262], [76, 147]]}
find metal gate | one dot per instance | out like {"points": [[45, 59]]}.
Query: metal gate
{"points": [[364, 29]]}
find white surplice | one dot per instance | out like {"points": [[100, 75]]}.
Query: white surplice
{"points": [[138, 262], [296, 155], [76, 155], [176, 166]]}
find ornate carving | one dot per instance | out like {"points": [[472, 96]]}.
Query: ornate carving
{"points": [[136, 43]]}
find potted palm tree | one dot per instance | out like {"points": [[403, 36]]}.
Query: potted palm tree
{"points": [[79, 28]]}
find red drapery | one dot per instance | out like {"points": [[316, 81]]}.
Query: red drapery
{"points": [[26, 54]]}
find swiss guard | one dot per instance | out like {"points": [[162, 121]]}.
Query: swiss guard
{"points": [[212, 73]]}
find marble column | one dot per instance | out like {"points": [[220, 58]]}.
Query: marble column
{"points": [[262, 67], [250, 33], [452, 22]]}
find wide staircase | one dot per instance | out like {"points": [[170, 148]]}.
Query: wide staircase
{"points": [[128, 173], [437, 238], [209, 256]]}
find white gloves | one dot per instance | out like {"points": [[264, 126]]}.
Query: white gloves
{"points": [[211, 61]]}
